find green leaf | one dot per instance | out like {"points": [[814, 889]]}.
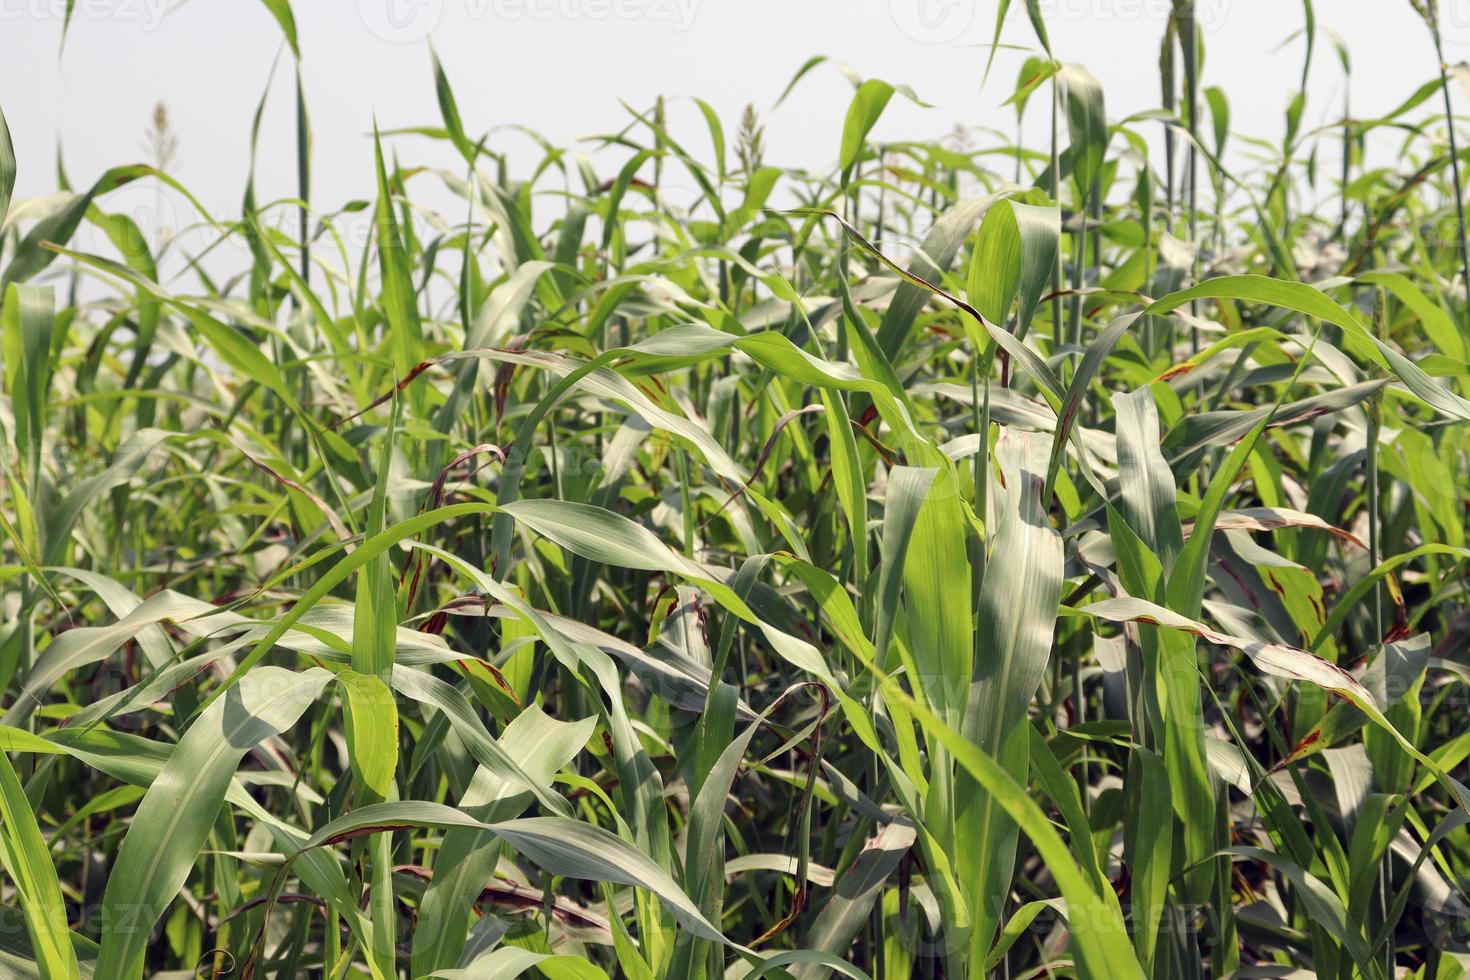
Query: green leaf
{"points": [[7, 169], [995, 264], [449, 110], [1147, 493], [1017, 613], [559, 845], [399, 298], [929, 263], [232, 347], [372, 731], [1149, 848], [467, 857], [43, 242], [375, 614], [936, 585], [1015, 252], [508, 962], [28, 862], [281, 11], [176, 815], [1312, 302], [28, 316], [867, 105], [859, 886], [1087, 125], [1098, 933]]}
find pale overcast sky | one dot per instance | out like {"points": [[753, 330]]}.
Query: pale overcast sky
{"points": [[561, 67]]}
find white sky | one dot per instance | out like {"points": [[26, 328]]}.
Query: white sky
{"points": [[561, 66]]}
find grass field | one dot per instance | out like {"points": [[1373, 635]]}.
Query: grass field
{"points": [[1044, 561]]}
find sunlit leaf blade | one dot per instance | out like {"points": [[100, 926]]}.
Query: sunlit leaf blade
{"points": [[171, 824]]}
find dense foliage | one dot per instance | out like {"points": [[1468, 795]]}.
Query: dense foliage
{"points": [[972, 559]]}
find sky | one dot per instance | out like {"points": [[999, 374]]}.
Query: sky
{"points": [[564, 68]]}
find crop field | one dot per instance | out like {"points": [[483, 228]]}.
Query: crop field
{"points": [[969, 560]]}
